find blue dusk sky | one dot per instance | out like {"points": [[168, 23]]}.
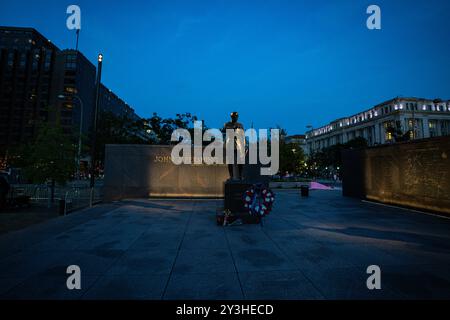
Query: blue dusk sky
{"points": [[287, 63]]}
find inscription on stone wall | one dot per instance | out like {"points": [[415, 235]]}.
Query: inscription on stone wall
{"points": [[415, 174], [162, 159], [195, 161], [139, 171]]}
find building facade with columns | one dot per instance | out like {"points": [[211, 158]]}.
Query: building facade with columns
{"points": [[421, 118]]}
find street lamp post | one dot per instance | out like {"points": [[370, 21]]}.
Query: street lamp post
{"points": [[81, 130], [94, 127]]}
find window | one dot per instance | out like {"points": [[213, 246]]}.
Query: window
{"points": [[69, 81], [388, 135], [388, 126], [432, 125], [70, 65], [70, 90], [67, 114], [445, 128], [71, 58], [412, 125]]}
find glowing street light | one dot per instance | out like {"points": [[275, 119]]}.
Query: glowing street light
{"points": [[94, 135]]}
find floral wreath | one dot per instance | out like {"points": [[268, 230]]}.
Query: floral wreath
{"points": [[259, 200]]}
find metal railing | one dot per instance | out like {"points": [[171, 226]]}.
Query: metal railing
{"points": [[74, 196], [78, 198]]}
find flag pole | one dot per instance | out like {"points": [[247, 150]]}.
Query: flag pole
{"points": [[78, 36]]}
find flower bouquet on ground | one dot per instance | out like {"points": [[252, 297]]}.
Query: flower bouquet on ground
{"points": [[227, 218]]}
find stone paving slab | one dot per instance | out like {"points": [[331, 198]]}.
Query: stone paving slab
{"points": [[222, 285], [308, 248], [278, 285], [128, 287]]}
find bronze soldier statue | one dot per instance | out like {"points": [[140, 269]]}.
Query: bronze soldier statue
{"points": [[239, 146]]}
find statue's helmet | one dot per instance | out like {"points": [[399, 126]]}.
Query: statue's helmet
{"points": [[234, 114]]}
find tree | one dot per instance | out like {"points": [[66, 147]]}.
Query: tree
{"points": [[50, 158], [397, 133], [322, 162], [112, 129], [292, 158], [162, 128], [356, 143]]}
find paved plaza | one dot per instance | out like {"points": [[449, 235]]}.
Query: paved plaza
{"points": [[308, 248]]}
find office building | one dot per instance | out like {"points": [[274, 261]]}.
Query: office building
{"points": [[27, 62], [41, 83], [73, 94], [110, 102], [418, 117]]}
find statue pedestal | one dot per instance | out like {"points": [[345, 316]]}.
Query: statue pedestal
{"points": [[234, 192]]}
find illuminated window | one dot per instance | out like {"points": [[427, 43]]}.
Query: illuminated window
{"points": [[432, 125], [389, 135], [70, 90], [388, 130], [412, 127]]}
